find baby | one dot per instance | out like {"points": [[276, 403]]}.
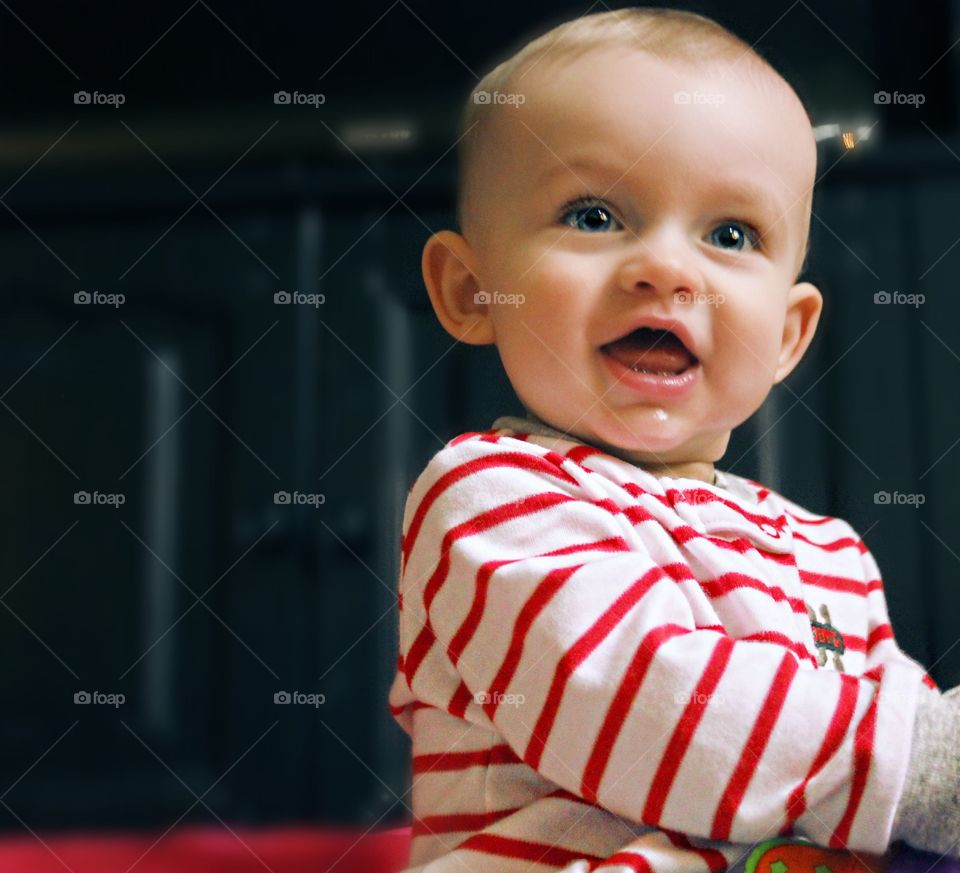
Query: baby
{"points": [[614, 656]]}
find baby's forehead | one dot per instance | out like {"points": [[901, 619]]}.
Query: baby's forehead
{"points": [[639, 112]]}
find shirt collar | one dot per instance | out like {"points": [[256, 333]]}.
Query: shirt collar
{"points": [[728, 484], [739, 512]]}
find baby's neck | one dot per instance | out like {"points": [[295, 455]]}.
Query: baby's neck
{"points": [[702, 470]]}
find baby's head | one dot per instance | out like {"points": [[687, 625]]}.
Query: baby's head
{"points": [[635, 167]]}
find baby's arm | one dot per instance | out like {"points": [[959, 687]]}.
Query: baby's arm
{"points": [[531, 585], [928, 814], [881, 643]]}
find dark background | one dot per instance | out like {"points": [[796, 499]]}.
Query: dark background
{"points": [[198, 398]]}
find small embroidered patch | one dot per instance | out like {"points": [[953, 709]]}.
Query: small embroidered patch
{"points": [[826, 637]]}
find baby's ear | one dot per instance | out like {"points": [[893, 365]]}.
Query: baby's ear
{"points": [[448, 266], [804, 303]]}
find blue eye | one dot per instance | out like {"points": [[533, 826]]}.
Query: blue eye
{"points": [[733, 235], [589, 215]]}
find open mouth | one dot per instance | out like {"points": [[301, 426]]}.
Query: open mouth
{"points": [[652, 350]]}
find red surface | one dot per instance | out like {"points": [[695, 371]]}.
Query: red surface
{"points": [[210, 850]]}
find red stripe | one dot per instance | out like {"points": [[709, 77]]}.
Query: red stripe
{"points": [[518, 460], [683, 733], [578, 652], [455, 823], [467, 436], [442, 762], [469, 625], [683, 534], [833, 545], [620, 706], [879, 633], [715, 860], [752, 750], [810, 519], [553, 582], [782, 640], [524, 506], [523, 850], [629, 860], [834, 583], [700, 497], [727, 582], [581, 453], [837, 730], [862, 758], [460, 701], [417, 652], [854, 643]]}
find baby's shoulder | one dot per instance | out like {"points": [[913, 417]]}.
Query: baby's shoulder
{"points": [[803, 519]]}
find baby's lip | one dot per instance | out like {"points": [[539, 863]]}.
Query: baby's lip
{"points": [[655, 322]]}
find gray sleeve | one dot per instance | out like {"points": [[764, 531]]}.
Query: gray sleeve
{"points": [[928, 814]]}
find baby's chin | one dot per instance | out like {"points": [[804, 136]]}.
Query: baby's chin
{"points": [[646, 429]]}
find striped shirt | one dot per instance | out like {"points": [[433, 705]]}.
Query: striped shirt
{"points": [[603, 669]]}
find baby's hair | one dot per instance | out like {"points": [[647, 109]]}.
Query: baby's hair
{"points": [[669, 34]]}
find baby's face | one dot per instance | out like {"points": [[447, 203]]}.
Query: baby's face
{"points": [[609, 200]]}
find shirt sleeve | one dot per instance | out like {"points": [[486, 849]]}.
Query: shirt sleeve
{"points": [[882, 646], [571, 636]]}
